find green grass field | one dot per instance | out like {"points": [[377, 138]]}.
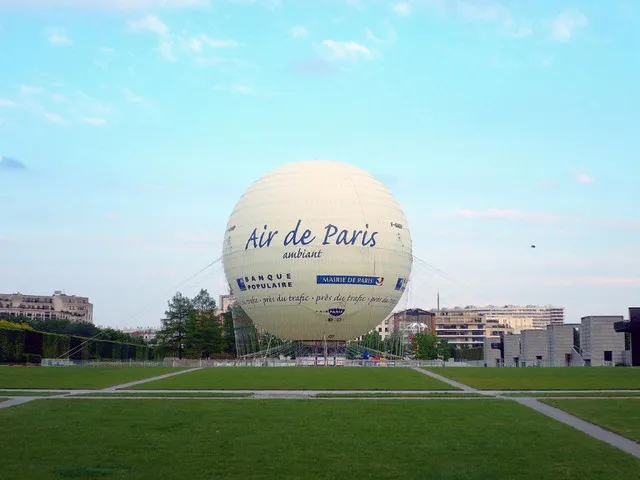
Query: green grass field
{"points": [[75, 377], [27, 393], [453, 394], [593, 394], [123, 393], [621, 416], [293, 439], [301, 378], [592, 378]]}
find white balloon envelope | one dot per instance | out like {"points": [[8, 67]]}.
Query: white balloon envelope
{"points": [[317, 250]]}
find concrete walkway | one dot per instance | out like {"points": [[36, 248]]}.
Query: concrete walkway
{"points": [[590, 429], [147, 380], [12, 402], [446, 380]]}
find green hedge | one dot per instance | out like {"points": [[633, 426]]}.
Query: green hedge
{"points": [[20, 346]]}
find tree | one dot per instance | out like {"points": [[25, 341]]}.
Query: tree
{"points": [[203, 335], [372, 340], [443, 349], [171, 336], [228, 333], [394, 344], [427, 346]]}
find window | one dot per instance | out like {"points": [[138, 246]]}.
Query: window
{"points": [[608, 356]]}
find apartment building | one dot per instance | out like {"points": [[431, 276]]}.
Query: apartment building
{"points": [[469, 328], [146, 333], [45, 307], [518, 318]]}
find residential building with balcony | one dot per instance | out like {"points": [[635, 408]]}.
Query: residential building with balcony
{"points": [[46, 307]]}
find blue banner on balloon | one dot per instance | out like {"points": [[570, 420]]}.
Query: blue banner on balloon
{"points": [[349, 280]]}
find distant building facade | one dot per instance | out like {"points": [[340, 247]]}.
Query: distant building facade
{"points": [[600, 343], [225, 303], [148, 334], [527, 317], [46, 307], [557, 346], [466, 328]]}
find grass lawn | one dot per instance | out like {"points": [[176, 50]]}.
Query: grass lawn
{"points": [[594, 394], [618, 415], [299, 378], [455, 394], [26, 393], [561, 378], [175, 394], [75, 377], [294, 439]]}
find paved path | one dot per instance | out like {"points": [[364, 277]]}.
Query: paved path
{"points": [[12, 402], [446, 380], [147, 380], [590, 429]]}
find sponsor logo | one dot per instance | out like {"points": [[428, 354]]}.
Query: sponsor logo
{"points": [[401, 284], [349, 280], [337, 309], [264, 281]]}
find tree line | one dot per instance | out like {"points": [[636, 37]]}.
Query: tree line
{"points": [[192, 329], [62, 326]]}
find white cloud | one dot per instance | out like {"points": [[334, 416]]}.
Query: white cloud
{"points": [[4, 102], [53, 117], [58, 37], [165, 48], [299, 31], [505, 214], [347, 50], [217, 43], [169, 43], [131, 97], [604, 281], [563, 26], [243, 90], [370, 36], [149, 23], [583, 177], [357, 4], [59, 98], [480, 11], [402, 8], [112, 5], [30, 89], [90, 104], [94, 121], [516, 30]]}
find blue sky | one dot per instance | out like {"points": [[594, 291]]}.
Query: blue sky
{"points": [[128, 130]]}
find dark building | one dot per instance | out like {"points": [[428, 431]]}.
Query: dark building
{"points": [[632, 327]]}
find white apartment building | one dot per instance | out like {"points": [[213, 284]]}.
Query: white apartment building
{"points": [[460, 327], [528, 317], [146, 333], [56, 306], [225, 302]]}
